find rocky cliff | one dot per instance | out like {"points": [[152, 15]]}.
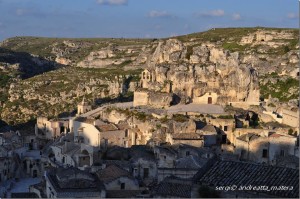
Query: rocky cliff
{"points": [[50, 75]]}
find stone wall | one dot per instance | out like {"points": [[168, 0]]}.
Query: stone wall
{"points": [[290, 118], [141, 98]]}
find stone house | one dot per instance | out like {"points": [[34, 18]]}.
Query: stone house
{"points": [[180, 160], [99, 134], [143, 163], [68, 153], [32, 164], [73, 183], [29, 138], [53, 128], [210, 135], [227, 126], [265, 148], [115, 178]]}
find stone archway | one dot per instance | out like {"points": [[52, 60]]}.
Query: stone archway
{"points": [[209, 100]]}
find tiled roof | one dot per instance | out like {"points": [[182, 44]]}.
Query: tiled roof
{"points": [[209, 128], [7, 135], [106, 127], [190, 162], [226, 173], [71, 180], [173, 188], [123, 126], [85, 120], [141, 151], [248, 137], [166, 149], [112, 172], [122, 193], [120, 163], [24, 195]]}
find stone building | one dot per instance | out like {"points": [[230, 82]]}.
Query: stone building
{"points": [[267, 149], [99, 134], [68, 153], [209, 134], [53, 128], [115, 178], [73, 183]]}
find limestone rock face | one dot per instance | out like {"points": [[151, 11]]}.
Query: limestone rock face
{"points": [[160, 99], [172, 51], [210, 69]]}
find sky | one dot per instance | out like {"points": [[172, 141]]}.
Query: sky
{"points": [[139, 18]]}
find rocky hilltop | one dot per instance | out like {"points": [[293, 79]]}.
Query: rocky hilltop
{"points": [[50, 75]]}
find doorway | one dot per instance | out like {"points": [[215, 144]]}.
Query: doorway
{"points": [[209, 100]]}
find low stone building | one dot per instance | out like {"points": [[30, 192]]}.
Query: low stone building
{"points": [[68, 153], [51, 128], [115, 178], [73, 183], [265, 148], [210, 135]]}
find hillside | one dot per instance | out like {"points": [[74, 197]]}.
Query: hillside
{"points": [[48, 76]]}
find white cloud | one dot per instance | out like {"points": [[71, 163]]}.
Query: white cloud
{"points": [[236, 16], [212, 13], [155, 13], [292, 15], [112, 2]]}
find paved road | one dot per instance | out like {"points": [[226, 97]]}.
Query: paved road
{"points": [[198, 108], [96, 111]]}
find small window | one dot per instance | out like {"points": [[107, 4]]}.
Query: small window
{"points": [[122, 186], [126, 133], [265, 153], [146, 172], [282, 153], [225, 128], [165, 157], [187, 153]]}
